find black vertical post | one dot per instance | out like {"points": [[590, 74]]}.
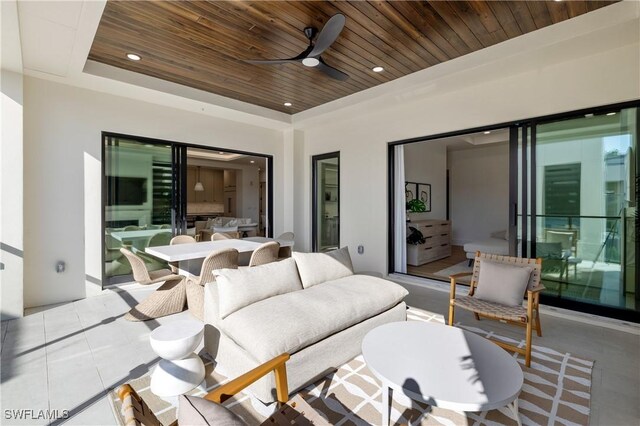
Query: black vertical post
{"points": [[524, 191], [533, 180], [513, 190], [391, 203]]}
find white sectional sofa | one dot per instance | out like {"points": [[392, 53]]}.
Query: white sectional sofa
{"points": [[311, 306]]}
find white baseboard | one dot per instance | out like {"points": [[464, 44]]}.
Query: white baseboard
{"points": [[580, 317]]}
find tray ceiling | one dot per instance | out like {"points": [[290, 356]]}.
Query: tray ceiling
{"points": [[203, 44]]}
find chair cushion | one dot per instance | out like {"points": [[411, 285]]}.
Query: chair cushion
{"points": [[501, 283], [194, 411], [494, 310], [291, 322], [238, 288], [316, 268]]}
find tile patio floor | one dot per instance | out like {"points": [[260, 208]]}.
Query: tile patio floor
{"points": [[68, 356]]}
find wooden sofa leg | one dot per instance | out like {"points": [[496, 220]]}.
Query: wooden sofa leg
{"points": [[477, 316]]}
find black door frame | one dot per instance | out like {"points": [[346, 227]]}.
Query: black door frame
{"points": [[314, 195], [530, 123]]}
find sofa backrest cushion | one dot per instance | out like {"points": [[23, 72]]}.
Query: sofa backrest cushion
{"points": [[316, 268], [241, 287]]}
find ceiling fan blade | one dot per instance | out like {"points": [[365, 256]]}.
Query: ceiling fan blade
{"points": [[271, 61], [329, 34], [331, 72]]}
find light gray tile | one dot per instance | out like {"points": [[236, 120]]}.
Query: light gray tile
{"points": [[99, 413], [27, 391]]}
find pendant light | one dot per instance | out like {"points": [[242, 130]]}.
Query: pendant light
{"points": [[199, 186]]}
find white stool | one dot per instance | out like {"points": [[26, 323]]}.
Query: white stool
{"points": [[179, 370]]}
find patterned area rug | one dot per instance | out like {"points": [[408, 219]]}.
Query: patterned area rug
{"points": [[557, 390]]}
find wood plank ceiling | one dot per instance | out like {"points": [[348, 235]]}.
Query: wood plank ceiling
{"points": [[203, 44]]}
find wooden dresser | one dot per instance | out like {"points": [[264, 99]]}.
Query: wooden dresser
{"points": [[437, 234]]}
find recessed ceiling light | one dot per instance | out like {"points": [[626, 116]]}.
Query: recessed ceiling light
{"points": [[221, 152], [310, 62], [377, 69], [487, 132], [252, 161], [588, 115], [288, 104], [611, 113], [133, 56]]}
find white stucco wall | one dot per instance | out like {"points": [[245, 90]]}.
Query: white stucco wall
{"points": [[63, 126]]}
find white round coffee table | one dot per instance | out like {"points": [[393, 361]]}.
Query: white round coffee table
{"points": [[179, 370], [442, 366]]}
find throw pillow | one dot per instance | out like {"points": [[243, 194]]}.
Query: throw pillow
{"points": [[242, 287], [316, 268], [196, 411], [500, 283]]}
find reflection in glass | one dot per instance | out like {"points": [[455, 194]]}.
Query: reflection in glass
{"points": [[585, 208], [138, 180], [327, 203]]}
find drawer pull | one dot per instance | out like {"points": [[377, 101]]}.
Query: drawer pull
{"points": [[429, 236], [443, 245], [443, 235], [428, 248]]}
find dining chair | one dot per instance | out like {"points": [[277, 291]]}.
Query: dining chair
{"points": [[179, 239], [231, 230], [219, 259], [285, 251], [182, 239], [266, 253], [220, 236], [169, 298]]}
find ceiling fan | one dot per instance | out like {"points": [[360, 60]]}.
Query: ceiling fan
{"points": [[311, 55]]}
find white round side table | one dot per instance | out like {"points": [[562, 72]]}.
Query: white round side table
{"points": [[179, 370]]}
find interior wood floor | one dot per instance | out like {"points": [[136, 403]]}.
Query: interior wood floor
{"points": [[428, 270]]}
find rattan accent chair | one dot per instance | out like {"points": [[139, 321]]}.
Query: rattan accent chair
{"points": [[528, 317], [266, 253], [169, 298], [182, 239], [221, 236], [219, 259], [179, 239], [285, 251]]}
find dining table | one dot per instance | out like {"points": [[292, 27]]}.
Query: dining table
{"points": [[189, 256]]}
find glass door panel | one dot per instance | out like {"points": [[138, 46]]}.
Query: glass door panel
{"points": [[326, 202], [585, 193], [138, 203]]}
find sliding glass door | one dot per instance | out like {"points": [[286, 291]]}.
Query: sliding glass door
{"points": [[578, 187], [326, 202], [139, 193]]}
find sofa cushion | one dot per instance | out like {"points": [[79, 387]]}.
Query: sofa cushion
{"points": [[292, 321], [501, 283], [241, 287], [194, 411], [316, 268]]}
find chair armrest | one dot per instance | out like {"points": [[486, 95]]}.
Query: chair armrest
{"points": [[460, 275], [538, 289], [277, 365]]}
